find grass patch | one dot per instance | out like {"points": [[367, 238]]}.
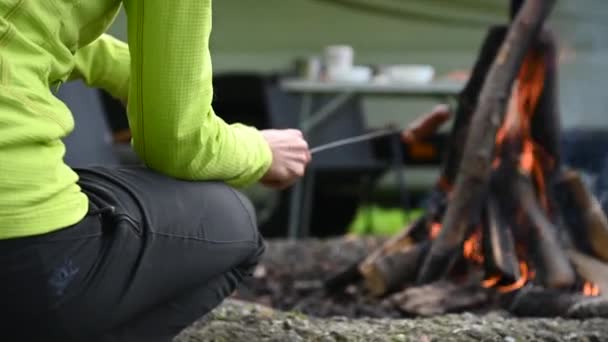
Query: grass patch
{"points": [[375, 220]]}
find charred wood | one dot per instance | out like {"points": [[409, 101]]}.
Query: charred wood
{"points": [[395, 270], [535, 301], [546, 122], [441, 297], [591, 269], [434, 209], [589, 307], [475, 168], [583, 213], [500, 258], [349, 275], [353, 273], [397, 242], [558, 270], [467, 103]]}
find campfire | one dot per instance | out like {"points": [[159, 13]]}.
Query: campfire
{"points": [[509, 224]]}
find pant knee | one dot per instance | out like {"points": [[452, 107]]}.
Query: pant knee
{"points": [[247, 267], [226, 216], [249, 208], [259, 246]]}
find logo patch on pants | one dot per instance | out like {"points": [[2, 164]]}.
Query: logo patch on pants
{"points": [[62, 276]]}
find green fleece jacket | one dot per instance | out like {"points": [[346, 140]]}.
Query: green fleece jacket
{"points": [[164, 72]]}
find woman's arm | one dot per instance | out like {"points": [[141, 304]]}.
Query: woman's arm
{"points": [[175, 130], [104, 63]]}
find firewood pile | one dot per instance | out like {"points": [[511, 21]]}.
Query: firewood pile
{"points": [[508, 223]]}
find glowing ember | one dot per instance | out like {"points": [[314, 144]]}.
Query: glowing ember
{"points": [[490, 282], [435, 230], [527, 160], [496, 163], [494, 280], [472, 248], [523, 268], [591, 290]]}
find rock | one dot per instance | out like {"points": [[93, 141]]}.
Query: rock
{"points": [[241, 321]]}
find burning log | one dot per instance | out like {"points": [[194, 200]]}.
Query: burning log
{"points": [[585, 214], [395, 245], [395, 270], [398, 242], [558, 270], [475, 168], [546, 122], [467, 103], [393, 260], [500, 257]]}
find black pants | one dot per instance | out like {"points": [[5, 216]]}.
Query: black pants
{"points": [[153, 255]]}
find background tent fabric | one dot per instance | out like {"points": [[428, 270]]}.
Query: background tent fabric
{"points": [[266, 35]]}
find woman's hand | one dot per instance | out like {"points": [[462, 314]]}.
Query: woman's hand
{"points": [[290, 156]]}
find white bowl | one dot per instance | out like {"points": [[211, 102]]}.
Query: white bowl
{"points": [[357, 74], [410, 73]]}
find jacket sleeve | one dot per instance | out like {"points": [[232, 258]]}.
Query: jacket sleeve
{"points": [[175, 130], [104, 63]]}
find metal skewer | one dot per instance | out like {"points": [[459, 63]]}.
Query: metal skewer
{"points": [[355, 139]]}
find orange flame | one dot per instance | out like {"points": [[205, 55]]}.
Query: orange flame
{"points": [[522, 105], [591, 289], [530, 163]]}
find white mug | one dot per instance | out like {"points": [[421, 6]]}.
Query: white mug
{"points": [[339, 60]]}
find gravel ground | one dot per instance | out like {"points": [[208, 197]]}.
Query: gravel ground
{"points": [[290, 271], [239, 321]]}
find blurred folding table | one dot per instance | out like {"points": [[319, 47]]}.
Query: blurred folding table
{"points": [[340, 93]]}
